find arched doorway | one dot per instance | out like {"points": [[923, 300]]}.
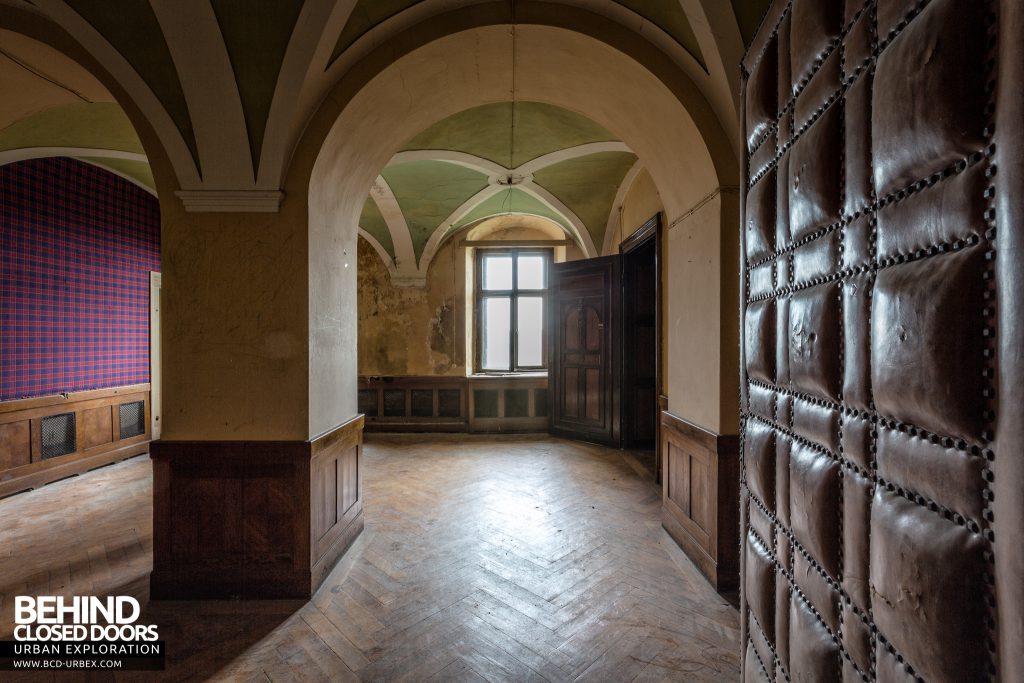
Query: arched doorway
{"points": [[81, 247], [554, 66]]}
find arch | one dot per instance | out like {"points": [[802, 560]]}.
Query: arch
{"points": [[494, 226], [385, 257], [144, 162], [449, 63], [413, 271], [620, 196], [145, 114]]}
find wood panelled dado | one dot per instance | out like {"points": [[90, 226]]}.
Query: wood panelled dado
{"points": [[479, 404], [254, 519], [584, 307], [700, 483], [97, 435], [508, 404], [336, 501]]}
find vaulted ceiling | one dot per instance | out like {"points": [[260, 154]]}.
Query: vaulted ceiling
{"points": [[228, 92], [525, 158], [668, 16], [52, 106]]}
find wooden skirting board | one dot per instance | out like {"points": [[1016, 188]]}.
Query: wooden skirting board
{"points": [[478, 404], [700, 486], [254, 519], [90, 424]]}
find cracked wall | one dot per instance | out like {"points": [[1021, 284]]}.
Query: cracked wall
{"points": [[422, 330], [411, 330]]}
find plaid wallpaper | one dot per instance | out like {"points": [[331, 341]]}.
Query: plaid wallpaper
{"points": [[76, 247]]}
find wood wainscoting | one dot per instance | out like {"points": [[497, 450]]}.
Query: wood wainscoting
{"points": [[478, 404], [254, 519], [52, 437], [700, 487]]}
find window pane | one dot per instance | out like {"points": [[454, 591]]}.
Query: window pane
{"points": [[531, 272], [497, 312], [497, 272], [530, 347]]}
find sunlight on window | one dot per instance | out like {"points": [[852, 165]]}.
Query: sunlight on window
{"points": [[497, 314], [531, 272], [497, 272], [530, 337], [510, 309]]}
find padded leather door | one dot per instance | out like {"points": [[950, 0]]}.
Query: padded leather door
{"points": [[881, 511]]}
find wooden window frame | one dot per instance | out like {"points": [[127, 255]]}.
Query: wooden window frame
{"points": [[479, 295]]}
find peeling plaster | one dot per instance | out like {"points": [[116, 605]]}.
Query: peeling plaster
{"points": [[409, 330]]}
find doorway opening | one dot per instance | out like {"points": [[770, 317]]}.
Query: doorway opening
{"points": [[641, 340]]}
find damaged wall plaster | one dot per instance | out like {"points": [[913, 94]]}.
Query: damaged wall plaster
{"points": [[422, 330], [411, 330]]}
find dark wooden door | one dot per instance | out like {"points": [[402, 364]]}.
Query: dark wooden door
{"points": [[640, 331], [584, 312]]}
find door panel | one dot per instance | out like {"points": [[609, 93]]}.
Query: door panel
{"points": [[883, 543], [583, 359]]}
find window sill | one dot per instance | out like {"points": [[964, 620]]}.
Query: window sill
{"points": [[508, 375]]}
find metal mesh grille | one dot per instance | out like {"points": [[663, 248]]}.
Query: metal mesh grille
{"points": [[449, 403], [422, 401], [394, 403], [58, 435], [368, 402], [517, 402], [485, 403], [540, 402], [133, 418]]}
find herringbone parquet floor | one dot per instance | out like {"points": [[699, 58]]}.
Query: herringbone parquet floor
{"points": [[483, 559]]}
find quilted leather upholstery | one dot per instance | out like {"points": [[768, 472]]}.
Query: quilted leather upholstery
{"points": [[875, 346]]}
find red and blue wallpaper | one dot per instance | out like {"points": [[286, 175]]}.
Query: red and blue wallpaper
{"points": [[77, 244]]}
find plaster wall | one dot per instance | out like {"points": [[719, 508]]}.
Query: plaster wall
{"points": [[640, 203], [412, 330], [427, 330], [702, 344], [233, 324], [332, 305]]}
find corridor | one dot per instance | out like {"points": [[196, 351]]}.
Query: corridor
{"points": [[483, 558]]}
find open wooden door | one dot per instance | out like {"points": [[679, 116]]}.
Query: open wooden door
{"points": [[584, 309], [640, 329]]}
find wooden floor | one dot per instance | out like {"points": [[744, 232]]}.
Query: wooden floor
{"points": [[483, 559]]}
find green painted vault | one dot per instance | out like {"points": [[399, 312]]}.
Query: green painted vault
{"points": [[564, 167]]}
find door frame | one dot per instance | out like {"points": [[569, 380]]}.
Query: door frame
{"points": [[155, 403], [651, 230]]}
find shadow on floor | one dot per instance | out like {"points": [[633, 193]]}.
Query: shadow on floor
{"points": [[203, 637]]}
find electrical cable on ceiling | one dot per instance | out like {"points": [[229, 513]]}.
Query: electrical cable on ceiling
{"points": [[507, 204], [36, 72]]}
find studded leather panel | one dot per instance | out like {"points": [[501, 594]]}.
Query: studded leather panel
{"points": [[871, 287]]}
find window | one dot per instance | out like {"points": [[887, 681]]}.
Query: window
{"points": [[511, 285]]}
